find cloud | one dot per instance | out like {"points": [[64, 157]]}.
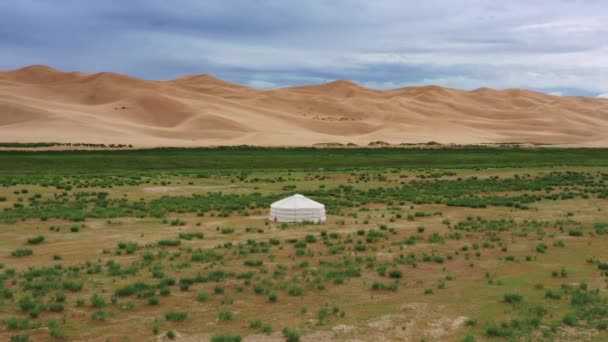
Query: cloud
{"points": [[603, 96], [544, 44]]}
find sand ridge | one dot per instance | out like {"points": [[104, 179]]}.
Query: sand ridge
{"points": [[38, 104]]}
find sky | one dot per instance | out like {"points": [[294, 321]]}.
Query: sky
{"points": [[555, 46]]}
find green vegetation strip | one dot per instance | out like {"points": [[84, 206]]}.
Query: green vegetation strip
{"points": [[18, 162]]}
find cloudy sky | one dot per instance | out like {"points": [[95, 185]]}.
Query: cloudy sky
{"points": [[557, 46]]}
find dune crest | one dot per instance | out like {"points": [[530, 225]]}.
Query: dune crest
{"points": [[39, 103]]}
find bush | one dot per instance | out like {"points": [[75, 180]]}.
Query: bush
{"points": [[227, 230], [22, 252], [19, 323], [55, 330], [73, 286], [226, 338], [202, 296], [253, 262], [169, 243], [295, 291], [469, 338], [395, 274], [436, 238], [191, 236], [512, 298], [100, 315], [377, 286], [570, 319], [225, 316], [97, 301], [291, 335], [20, 338], [35, 240], [56, 307], [153, 300], [496, 331], [176, 316], [551, 294], [541, 248]]}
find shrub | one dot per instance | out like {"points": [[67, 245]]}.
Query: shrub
{"points": [[551, 294], [171, 334], [469, 338], [561, 273], [176, 316], [20, 338], [22, 252], [202, 296], [100, 315], [322, 315], [496, 331], [377, 286], [512, 298], [436, 238], [35, 240], [225, 315], [73, 286], [56, 307], [226, 338], [227, 230], [55, 331], [253, 262], [191, 236], [395, 274], [169, 243], [295, 291], [128, 247], [291, 335], [19, 323], [97, 301], [570, 319], [153, 300], [541, 248]]}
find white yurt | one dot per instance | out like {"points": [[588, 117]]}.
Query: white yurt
{"points": [[297, 208]]}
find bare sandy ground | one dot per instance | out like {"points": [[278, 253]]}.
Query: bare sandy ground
{"points": [[40, 104]]}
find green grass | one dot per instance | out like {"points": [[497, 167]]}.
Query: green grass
{"points": [[484, 243], [69, 162]]}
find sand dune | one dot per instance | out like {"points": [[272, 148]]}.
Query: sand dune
{"points": [[39, 104]]}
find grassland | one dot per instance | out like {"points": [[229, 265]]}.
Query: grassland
{"points": [[244, 158], [434, 245]]}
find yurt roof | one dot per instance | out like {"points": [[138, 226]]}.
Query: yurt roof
{"points": [[295, 202]]}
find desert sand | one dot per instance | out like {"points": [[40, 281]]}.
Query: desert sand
{"points": [[41, 104]]}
